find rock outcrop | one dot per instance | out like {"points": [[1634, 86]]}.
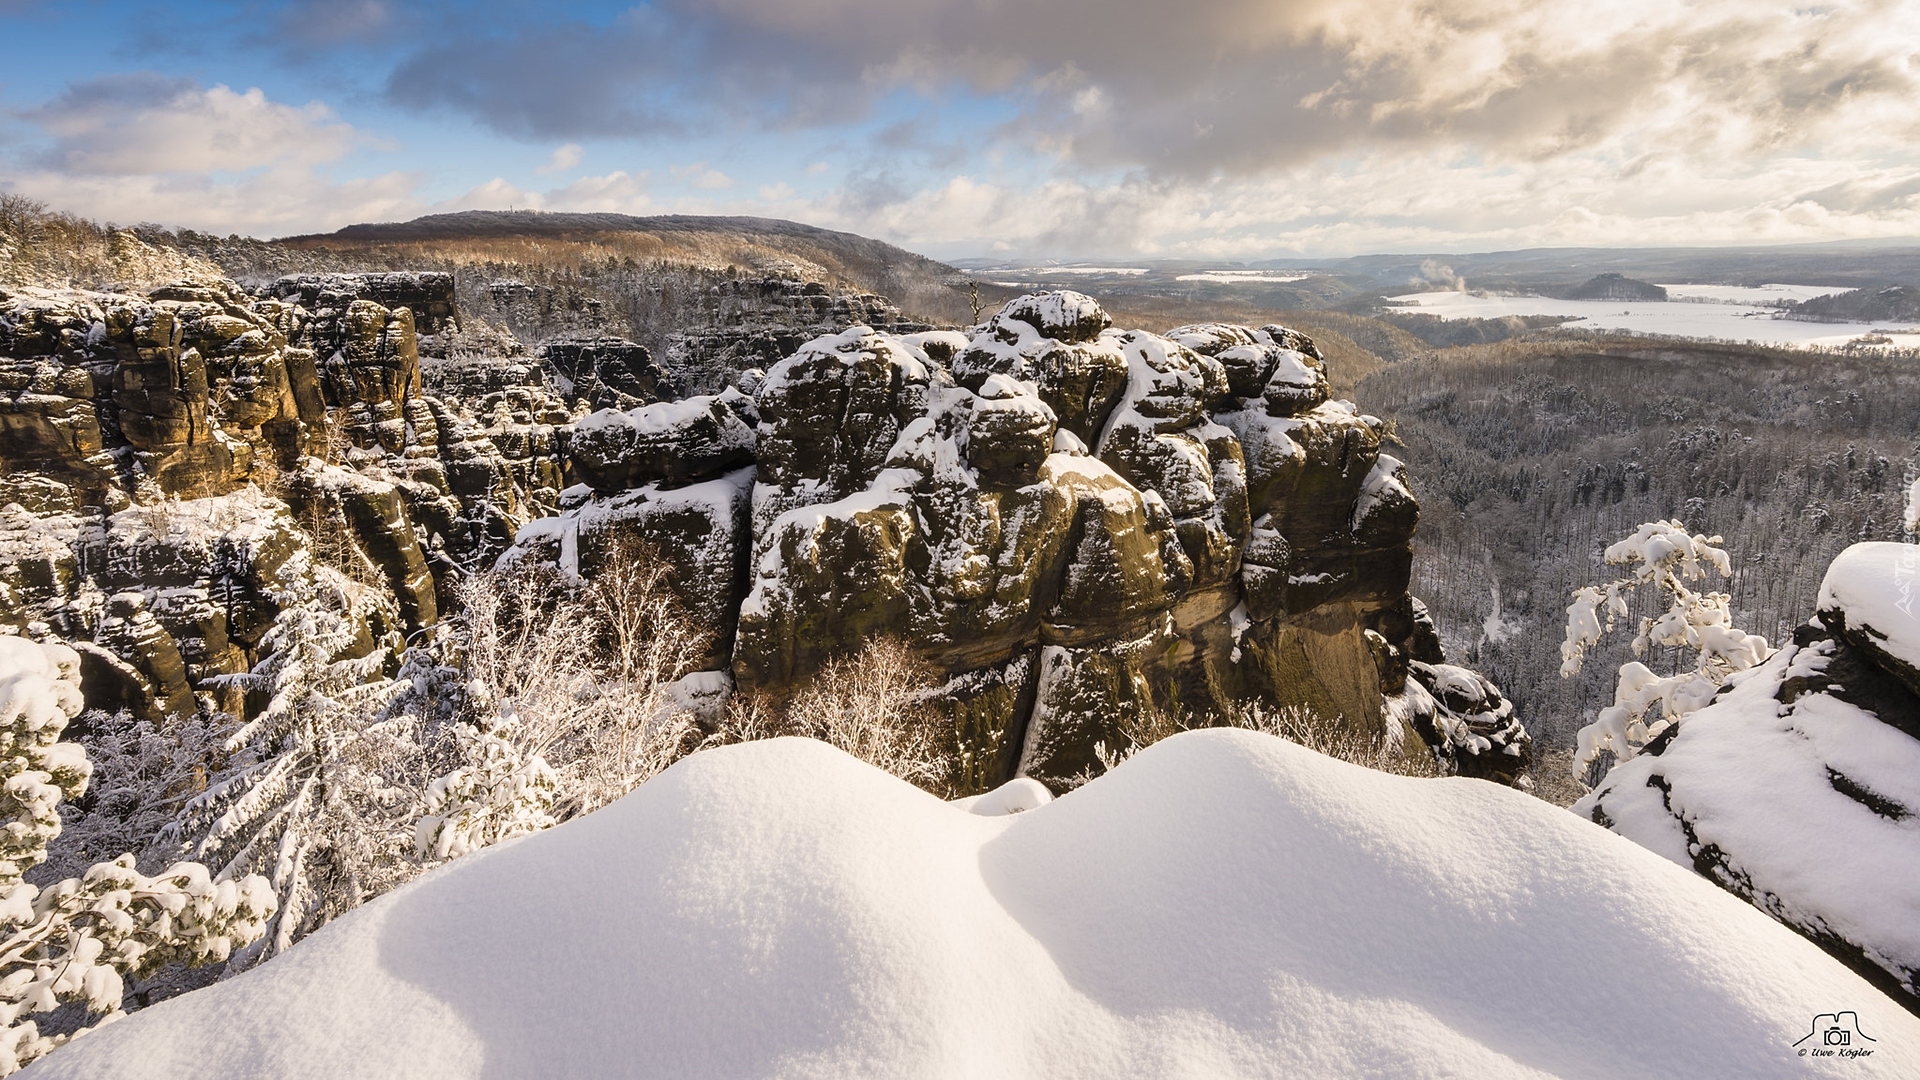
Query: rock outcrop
{"points": [[1076, 523], [157, 448], [606, 372], [757, 321], [1797, 788]]}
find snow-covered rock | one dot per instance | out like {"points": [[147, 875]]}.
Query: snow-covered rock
{"points": [[1798, 787], [1869, 597], [1225, 904]]}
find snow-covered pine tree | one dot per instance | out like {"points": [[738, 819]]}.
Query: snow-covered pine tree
{"points": [[1665, 555], [321, 787], [80, 939]]}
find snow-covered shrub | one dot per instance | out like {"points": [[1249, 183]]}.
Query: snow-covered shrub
{"points": [[1665, 555], [566, 692], [79, 939], [873, 705], [316, 794], [499, 791], [142, 772]]}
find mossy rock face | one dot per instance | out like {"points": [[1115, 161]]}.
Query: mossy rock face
{"points": [[823, 587], [1338, 451], [982, 568], [1320, 661], [1009, 434], [1200, 476], [368, 353], [48, 422], [1117, 574], [987, 709]]}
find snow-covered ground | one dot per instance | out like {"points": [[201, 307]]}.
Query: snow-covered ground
{"points": [[1223, 904], [1797, 785], [1068, 271], [1242, 277], [1750, 294], [1730, 319]]}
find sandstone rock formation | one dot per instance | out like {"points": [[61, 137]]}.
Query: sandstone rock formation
{"points": [[1076, 523]]}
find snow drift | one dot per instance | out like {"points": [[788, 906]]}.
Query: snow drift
{"points": [[1224, 904]]}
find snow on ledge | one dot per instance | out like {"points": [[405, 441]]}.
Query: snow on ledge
{"points": [[1225, 904], [1877, 587]]}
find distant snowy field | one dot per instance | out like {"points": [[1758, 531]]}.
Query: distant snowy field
{"points": [[1725, 312], [1225, 904], [1241, 277]]}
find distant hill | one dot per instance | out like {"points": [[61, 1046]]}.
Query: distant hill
{"points": [[558, 241], [1855, 263], [1894, 303], [1615, 287]]}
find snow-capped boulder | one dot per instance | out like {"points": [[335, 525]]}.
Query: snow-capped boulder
{"points": [[1278, 365], [1224, 904], [1467, 721], [1063, 315], [1871, 597], [670, 443], [1010, 431], [1798, 788], [1078, 372]]}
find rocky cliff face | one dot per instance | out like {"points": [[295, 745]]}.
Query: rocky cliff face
{"points": [[1076, 523]]}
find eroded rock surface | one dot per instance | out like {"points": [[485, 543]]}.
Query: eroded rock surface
{"points": [[1076, 522]]}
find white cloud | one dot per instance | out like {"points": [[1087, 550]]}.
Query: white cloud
{"points": [[273, 202], [618, 191], [562, 159], [148, 125], [700, 175], [1400, 199], [779, 192]]}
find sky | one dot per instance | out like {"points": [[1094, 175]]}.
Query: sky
{"points": [[1228, 130]]}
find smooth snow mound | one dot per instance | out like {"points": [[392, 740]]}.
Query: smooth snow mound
{"points": [[1225, 904]]}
